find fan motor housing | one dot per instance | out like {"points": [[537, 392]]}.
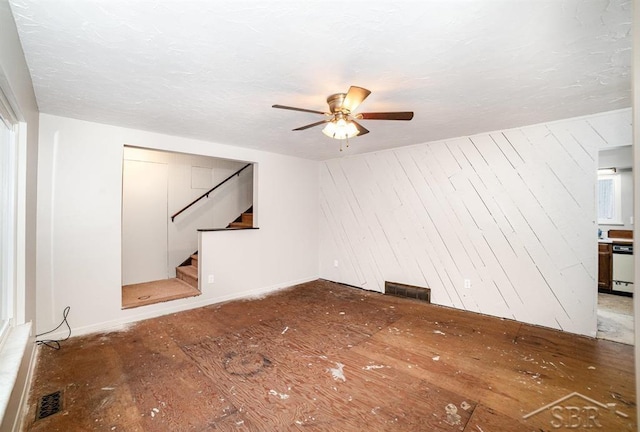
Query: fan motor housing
{"points": [[335, 102]]}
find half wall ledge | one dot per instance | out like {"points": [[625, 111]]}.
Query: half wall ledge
{"points": [[227, 229]]}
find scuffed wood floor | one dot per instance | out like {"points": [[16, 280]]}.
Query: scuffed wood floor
{"points": [[146, 293], [324, 357]]}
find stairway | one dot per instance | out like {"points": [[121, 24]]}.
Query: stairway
{"points": [[188, 270], [244, 221]]}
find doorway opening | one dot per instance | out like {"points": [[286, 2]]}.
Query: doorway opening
{"points": [[615, 245], [166, 198]]}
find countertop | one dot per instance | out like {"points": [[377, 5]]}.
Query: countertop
{"points": [[615, 240]]}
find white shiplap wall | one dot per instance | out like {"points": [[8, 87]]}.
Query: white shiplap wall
{"points": [[513, 211]]}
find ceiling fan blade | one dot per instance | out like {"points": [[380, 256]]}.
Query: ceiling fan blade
{"points": [[403, 115], [361, 130], [299, 109], [354, 97], [312, 125]]}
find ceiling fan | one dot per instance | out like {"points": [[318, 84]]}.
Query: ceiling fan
{"points": [[341, 120]]}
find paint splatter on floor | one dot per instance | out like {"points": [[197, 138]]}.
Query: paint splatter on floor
{"points": [[372, 367], [280, 395], [337, 372], [453, 418]]}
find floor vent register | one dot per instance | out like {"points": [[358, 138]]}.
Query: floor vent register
{"points": [[49, 405]]}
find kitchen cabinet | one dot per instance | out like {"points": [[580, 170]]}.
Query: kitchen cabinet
{"points": [[604, 267]]}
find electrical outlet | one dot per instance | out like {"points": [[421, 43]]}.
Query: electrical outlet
{"points": [[467, 283], [335, 263], [210, 279]]}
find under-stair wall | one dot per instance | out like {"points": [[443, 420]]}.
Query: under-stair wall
{"points": [[188, 270]]}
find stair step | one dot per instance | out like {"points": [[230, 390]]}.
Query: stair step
{"points": [[247, 218], [189, 274], [194, 260], [189, 270], [240, 225]]}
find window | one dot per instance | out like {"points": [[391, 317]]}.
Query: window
{"points": [[8, 209], [609, 199]]}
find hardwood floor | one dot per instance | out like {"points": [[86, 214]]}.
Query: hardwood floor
{"points": [[324, 357]]}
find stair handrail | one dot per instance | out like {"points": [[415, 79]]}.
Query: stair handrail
{"points": [[206, 194]]}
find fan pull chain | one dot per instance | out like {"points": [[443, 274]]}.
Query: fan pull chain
{"points": [[347, 140]]}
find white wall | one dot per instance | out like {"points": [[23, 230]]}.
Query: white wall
{"points": [[144, 221], [80, 223], [15, 82], [181, 187], [513, 211]]}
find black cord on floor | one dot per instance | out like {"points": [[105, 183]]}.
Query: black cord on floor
{"points": [[55, 343]]}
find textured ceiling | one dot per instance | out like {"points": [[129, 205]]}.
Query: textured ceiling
{"points": [[212, 69]]}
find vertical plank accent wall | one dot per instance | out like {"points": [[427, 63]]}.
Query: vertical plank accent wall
{"points": [[512, 211]]}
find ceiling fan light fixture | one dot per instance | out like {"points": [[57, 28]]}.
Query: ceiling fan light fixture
{"points": [[340, 129], [341, 122]]}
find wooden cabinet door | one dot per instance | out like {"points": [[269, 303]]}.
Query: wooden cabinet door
{"points": [[604, 267]]}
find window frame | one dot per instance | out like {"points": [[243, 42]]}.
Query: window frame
{"points": [[9, 224], [616, 194]]}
